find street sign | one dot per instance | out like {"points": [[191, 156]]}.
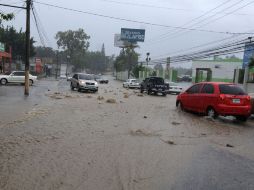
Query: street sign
{"points": [[248, 53], [132, 35], [2, 49]]}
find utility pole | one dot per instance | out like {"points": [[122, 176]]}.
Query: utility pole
{"points": [[27, 65], [57, 64]]}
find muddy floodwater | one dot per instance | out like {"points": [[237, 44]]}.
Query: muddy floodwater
{"points": [[117, 139]]}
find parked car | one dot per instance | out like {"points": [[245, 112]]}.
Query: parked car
{"points": [[174, 88], [185, 78], [16, 77], [215, 98], [154, 85], [84, 82], [252, 102], [100, 79], [131, 83]]}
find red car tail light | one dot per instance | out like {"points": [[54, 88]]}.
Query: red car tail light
{"points": [[248, 98]]}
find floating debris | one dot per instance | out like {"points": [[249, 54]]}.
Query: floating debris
{"points": [[175, 123], [111, 100], [100, 98]]}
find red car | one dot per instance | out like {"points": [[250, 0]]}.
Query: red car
{"points": [[216, 98]]}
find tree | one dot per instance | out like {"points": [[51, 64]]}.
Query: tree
{"points": [[6, 17], [75, 43], [16, 40], [126, 60], [44, 52], [136, 69], [103, 50], [251, 63]]}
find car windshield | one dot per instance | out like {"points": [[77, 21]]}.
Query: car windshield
{"points": [[231, 89], [86, 77], [158, 81], [134, 81]]}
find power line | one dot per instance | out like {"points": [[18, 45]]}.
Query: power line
{"points": [[13, 6], [211, 21], [205, 19], [196, 18], [184, 32], [134, 21], [229, 48], [44, 34], [37, 27], [161, 7]]}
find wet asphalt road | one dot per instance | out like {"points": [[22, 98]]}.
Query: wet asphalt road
{"points": [[79, 142]]}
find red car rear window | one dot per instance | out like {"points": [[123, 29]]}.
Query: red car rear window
{"points": [[231, 89]]}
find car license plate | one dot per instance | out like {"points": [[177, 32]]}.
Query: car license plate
{"points": [[236, 101]]}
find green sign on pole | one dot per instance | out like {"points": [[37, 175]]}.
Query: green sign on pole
{"points": [[2, 47]]}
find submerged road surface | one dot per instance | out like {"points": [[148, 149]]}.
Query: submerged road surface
{"points": [[117, 139]]}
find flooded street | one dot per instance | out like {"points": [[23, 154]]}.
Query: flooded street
{"points": [[117, 139]]}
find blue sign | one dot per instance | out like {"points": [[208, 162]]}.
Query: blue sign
{"points": [[132, 35], [248, 53]]}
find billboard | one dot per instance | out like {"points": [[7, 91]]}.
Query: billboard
{"points": [[132, 35], [248, 53], [120, 43]]}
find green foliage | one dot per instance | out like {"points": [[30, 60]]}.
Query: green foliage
{"points": [[75, 43], [127, 60], [16, 40], [251, 63], [73, 40], [6, 17], [44, 52], [136, 69]]}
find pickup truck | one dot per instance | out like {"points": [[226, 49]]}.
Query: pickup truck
{"points": [[154, 85], [16, 77]]}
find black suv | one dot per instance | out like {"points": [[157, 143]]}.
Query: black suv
{"points": [[154, 85]]}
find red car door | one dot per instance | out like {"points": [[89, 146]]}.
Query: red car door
{"points": [[190, 98], [208, 97]]}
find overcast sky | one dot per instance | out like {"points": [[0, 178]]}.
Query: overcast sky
{"points": [[164, 12]]}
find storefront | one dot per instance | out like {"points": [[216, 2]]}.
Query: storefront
{"points": [[5, 59]]}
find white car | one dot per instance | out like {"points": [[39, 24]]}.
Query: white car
{"points": [[174, 88], [16, 77], [131, 83]]}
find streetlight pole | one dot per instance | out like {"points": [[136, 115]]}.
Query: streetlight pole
{"points": [[147, 61]]}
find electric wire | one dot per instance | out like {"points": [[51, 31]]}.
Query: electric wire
{"points": [[134, 21]]}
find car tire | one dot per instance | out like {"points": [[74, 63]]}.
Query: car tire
{"points": [[31, 82], [179, 105], [164, 94], [149, 92], [241, 118], [72, 88], [3, 81], [141, 90], [79, 90], [211, 112]]}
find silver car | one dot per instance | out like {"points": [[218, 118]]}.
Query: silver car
{"points": [[85, 82], [16, 77]]}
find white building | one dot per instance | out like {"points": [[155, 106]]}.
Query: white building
{"points": [[221, 70]]}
